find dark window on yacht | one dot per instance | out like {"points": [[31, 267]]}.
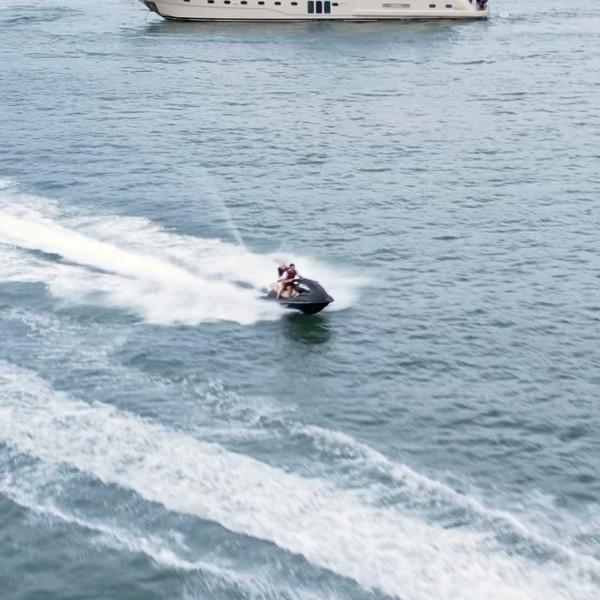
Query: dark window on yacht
{"points": [[277, 3], [226, 1], [294, 3], [432, 6], [261, 3], [319, 4], [311, 7], [243, 2], [327, 7], [334, 4], [211, 1], [448, 5]]}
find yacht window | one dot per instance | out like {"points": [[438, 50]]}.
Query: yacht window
{"points": [[227, 2], [432, 6], [448, 5], [294, 3], [261, 3], [311, 7], [277, 3], [319, 4], [334, 4], [327, 7], [244, 2]]}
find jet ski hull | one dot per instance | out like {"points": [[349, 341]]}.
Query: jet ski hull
{"points": [[307, 309], [310, 298]]}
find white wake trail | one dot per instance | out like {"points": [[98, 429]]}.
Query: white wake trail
{"points": [[253, 585], [340, 530], [158, 290], [55, 239], [131, 263]]}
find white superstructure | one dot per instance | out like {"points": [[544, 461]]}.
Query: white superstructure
{"points": [[317, 10]]}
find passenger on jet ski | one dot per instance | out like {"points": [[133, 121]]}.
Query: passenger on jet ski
{"points": [[285, 283]]}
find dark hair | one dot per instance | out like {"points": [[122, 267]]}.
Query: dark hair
{"points": [[292, 265]]}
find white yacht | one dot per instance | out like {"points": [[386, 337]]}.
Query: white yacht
{"points": [[317, 10]]}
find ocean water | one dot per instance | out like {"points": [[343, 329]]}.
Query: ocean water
{"points": [[167, 434]]}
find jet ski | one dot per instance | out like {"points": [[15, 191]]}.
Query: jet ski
{"points": [[309, 297]]}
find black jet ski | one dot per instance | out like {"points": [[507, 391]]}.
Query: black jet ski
{"points": [[309, 297]]}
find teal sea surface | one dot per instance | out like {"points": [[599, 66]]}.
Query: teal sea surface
{"points": [[166, 433]]}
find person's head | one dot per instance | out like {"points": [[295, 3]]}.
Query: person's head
{"points": [[292, 266]]}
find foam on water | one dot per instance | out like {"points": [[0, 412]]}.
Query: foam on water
{"points": [[131, 263], [353, 463], [158, 549], [161, 292], [340, 530], [430, 495], [224, 416]]}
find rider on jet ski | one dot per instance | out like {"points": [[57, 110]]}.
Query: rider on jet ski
{"points": [[298, 293], [285, 283]]}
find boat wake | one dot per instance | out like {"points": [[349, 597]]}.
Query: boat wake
{"points": [[350, 533], [130, 263], [166, 550]]}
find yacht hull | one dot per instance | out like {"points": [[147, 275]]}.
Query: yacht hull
{"points": [[317, 10]]}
